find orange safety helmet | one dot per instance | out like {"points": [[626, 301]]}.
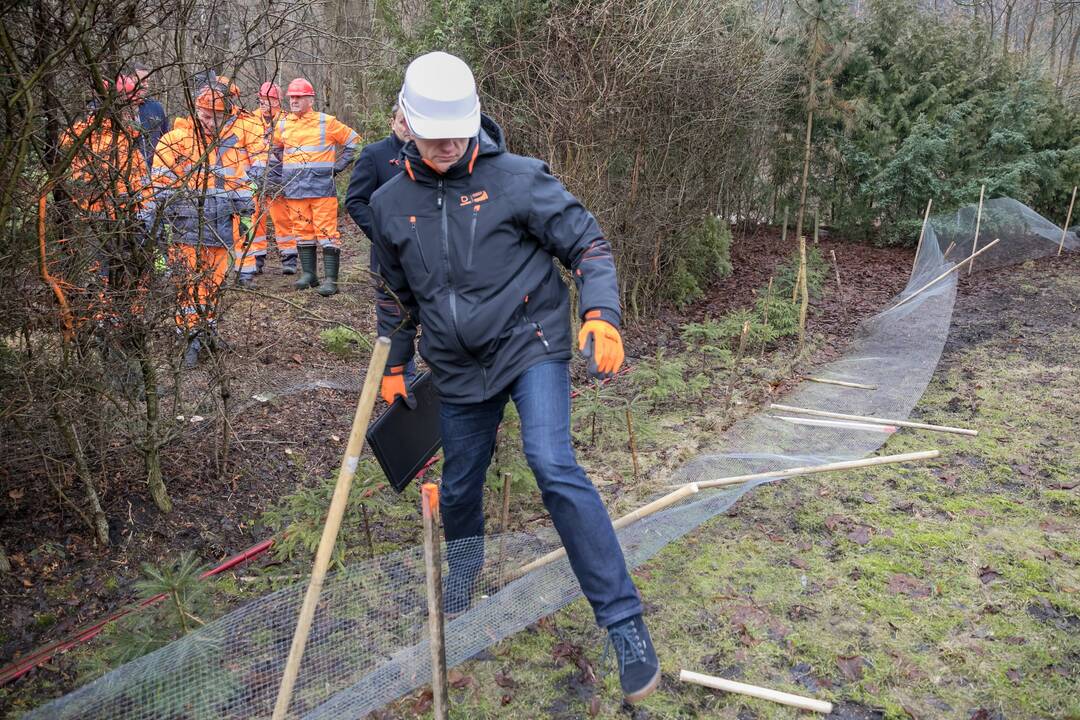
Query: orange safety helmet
{"points": [[270, 90], [212, 98], [300, 88], [226, 82]]}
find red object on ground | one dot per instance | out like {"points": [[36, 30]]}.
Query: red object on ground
{"points": [[20, 667]]}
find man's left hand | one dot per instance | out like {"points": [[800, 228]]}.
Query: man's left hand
{"points": [[607, 346]]}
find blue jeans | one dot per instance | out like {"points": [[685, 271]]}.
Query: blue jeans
{"points": [[542, 397]]}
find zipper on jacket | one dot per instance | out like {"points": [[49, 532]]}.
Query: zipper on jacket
{"points": [[537, 326], [419, 245], [472, 235], [446, 260]]}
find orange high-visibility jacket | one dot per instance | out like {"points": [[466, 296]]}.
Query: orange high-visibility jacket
{"points": [[201, 182], [304, 154], [108, 171]]}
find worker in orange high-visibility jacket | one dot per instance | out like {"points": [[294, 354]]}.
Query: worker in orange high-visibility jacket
{"points": [[308, 149], [109, 183], [268, 202], [109, 178], [249, 251], [202, 181]]}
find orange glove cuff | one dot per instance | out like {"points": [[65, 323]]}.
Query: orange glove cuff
{"points": [[607, 344], [392, 386]]}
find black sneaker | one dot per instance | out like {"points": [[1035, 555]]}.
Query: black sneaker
{"points": [[639, 669]]}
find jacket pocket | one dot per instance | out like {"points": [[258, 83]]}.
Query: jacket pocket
{"points": [[415, 230], [472, 236], [534, 326]]}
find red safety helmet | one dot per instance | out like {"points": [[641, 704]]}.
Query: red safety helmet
{"points": [[270, 90], [300, 88], [125, 86]]}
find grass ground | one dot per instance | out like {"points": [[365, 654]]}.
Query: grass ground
{"points": [[944, 590]]}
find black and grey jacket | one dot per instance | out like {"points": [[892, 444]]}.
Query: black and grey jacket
{"points": [[468, 255]]}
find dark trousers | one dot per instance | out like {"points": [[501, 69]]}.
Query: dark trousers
{"points": [[542, 397]]}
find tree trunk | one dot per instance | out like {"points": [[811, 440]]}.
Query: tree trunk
{"points": [[1031, 29], [811, 102], [71, 439], [1008, 27], [151, 442]]}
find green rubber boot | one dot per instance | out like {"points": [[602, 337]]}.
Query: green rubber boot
{"points": [[309, 278], [331, 258]]}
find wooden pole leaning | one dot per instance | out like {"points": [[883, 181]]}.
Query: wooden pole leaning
{"points": [[978, 223], [776, 696], [1068, 219], [875, 420], [943, 275], [338, 502], [433, 572], [629, 519], [815, 469], [922, 234]]}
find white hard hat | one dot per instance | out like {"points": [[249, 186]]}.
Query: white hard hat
{"points": [[439, 98]]}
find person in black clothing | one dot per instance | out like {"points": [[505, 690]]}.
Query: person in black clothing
{"points": [[467, 236], [152, 119], [378, 163]]}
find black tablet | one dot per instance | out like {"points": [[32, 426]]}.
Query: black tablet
{"points": [[403, 439]]}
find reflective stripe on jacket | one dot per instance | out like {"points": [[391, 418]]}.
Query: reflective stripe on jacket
{"points": [[200, 186], [304, 154]]}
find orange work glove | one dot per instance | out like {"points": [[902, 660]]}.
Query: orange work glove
{"points": [[605, 347], [393, 384]]}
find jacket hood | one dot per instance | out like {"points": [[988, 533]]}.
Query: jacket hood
{"points": [[489, 141]]}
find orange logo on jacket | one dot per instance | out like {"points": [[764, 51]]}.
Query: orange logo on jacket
{"points": [[476, 197]]}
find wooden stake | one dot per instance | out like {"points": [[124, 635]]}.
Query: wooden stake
{"points": [[504, 519], [632, 440], [817, 225], [922, 234], [776, 696], [433, 573], [942, 276], [630, 518], [367, 529], [1068, 219], [783, 235], [765, 332], [735, 367], [843, 424], [841, 383], [815, 469], [879, 421], [333, 522], [948, 250], [805, 293], [978, 222], [839, 286], [504, 524]]}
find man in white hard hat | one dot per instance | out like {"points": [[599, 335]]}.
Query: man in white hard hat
{"points": [[464, 239]]}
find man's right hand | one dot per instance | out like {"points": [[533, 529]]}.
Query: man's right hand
{"points": [[393, 384]]}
